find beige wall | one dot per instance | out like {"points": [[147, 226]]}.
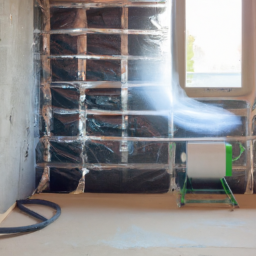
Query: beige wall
{"points": [[16, 101]]}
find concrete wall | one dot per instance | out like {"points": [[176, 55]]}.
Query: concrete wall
{"points": [[17, 99]]}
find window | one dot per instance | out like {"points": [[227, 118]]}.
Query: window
{"points": [[202, 73], [213, 43]]}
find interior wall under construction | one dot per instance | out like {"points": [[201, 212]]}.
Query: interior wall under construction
{"points": [[17, 101]]}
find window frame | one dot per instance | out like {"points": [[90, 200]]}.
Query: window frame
{"points": [[248, 54]]}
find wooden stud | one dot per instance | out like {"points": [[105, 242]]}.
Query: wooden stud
{"points": [[124, 81], [46, 78]]}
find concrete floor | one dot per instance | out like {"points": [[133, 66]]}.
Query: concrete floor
{"points": [[111, 224]]}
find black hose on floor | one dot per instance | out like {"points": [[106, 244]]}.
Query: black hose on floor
{"points": [[45, 222]]}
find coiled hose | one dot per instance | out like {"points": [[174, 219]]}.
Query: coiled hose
{"points": [[45, 222]]}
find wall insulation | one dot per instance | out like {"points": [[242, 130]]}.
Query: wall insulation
{"points": [[104, 70]]}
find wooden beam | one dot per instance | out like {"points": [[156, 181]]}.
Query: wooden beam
{"points": [[108, 4], [52, 2], [46, 77], [3, 216], [84, 31], [124, 81]]}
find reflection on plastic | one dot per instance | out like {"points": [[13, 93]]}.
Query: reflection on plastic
{"points": [[190, 114], [81, 184], [200, 117], [44, 182]]}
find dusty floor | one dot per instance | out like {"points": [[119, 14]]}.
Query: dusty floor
{"points": [[110, 224]]}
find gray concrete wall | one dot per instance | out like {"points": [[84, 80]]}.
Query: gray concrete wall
{"points": [[16, 101]]}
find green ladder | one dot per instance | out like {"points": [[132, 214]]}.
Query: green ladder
{"points": [[188, 189]]}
